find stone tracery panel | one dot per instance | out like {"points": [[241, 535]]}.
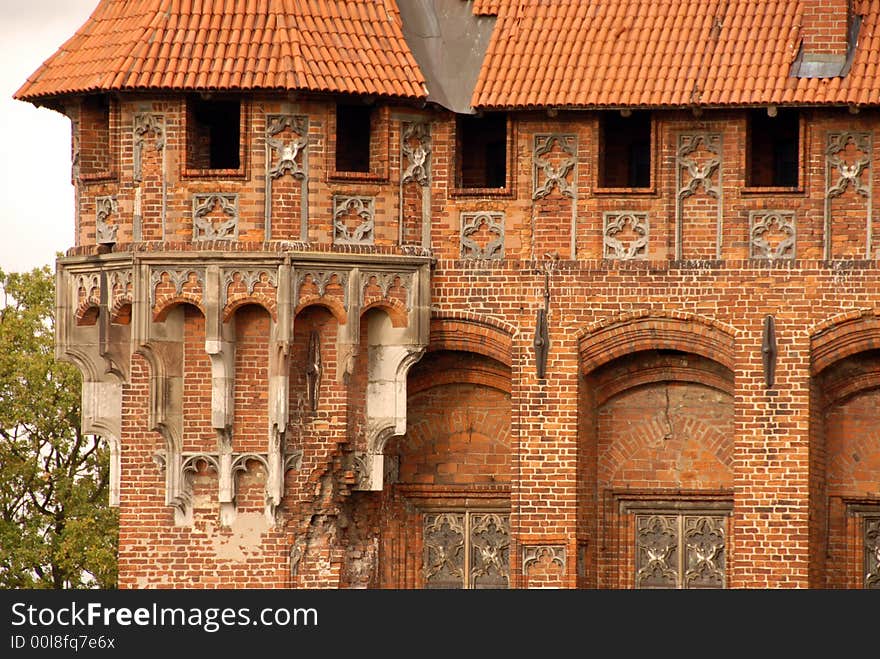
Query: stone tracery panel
{"points": [[773, 234], [482, 235], [287, 140], [415, 157], [363, 211], [215, 216], [105, 231], [848, 167], [626, 235], [698, 172]]}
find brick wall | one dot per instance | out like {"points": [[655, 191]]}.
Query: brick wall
{"points": [[638, 339]]}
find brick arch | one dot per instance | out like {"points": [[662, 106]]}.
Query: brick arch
{"points": [[120, 312], [395, 309], [841, 336], [87, 313], [237, 301], [164, 307], [470, 333], [454, 367], [648, 368], [605, 341], [335, 307]]}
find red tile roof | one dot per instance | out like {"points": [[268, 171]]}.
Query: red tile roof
{"points": [[600, 53], [346, 46], [543, 53]]}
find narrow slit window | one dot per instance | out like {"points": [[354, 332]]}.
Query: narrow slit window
{"points": [[482, 149], [353, 133], [625, 150], [214, 134], [773, 149]]}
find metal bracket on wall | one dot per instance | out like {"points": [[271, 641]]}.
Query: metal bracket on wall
{"points": [[769, 351]]}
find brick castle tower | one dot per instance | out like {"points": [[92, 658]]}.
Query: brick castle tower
{"points": [[478, 293]]}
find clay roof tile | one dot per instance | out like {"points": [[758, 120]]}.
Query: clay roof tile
{"points": [[226, 44]]}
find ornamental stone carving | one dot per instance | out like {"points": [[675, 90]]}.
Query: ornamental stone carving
{"points": [[554, 172], [178, 278], [773, 234], [466, 550], [249, 278], [215, 216], [680, 551], [287, 141], [386, 281], [626, 235], [698, 167], [144, 124], [482, 235], [286, 156], [845, 173], [872, 553], [363, 210], [553, 554], [416, 150], [105, 233]]}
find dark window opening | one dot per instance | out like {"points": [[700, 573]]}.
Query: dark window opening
{"points": [[94, 135], [773, 151], [214, 134], [625, 160], [353, 131], [482, 150]]}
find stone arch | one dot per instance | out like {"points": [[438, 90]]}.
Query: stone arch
{"points": [[607, 340]]}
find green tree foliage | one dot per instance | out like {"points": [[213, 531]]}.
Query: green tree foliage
{"points": [[56, 527]]}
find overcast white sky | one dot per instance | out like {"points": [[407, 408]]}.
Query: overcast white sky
{"points": [[36, 197]]}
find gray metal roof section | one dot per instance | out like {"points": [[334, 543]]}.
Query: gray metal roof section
{"points": [[449, 44], [816, 65]]}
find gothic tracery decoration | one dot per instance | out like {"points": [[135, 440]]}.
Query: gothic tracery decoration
{"points": [[177, 277], [444, 551], [698, 167], [872, 553], [704, 545], [772, 223], [619, 224], [656, 552], [554, 175], [416, 149], [249, 278], [471, 224], [145, 123], [204, 228], [363, 209], [286, 156], [680, 551], [700, 174], [848, 173], [105, 233]]}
